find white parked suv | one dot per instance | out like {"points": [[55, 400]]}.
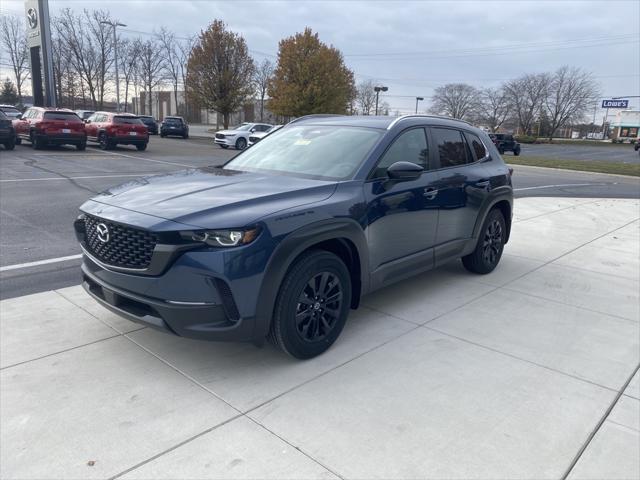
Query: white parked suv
{"points": [[257, 136], [238, 137]]}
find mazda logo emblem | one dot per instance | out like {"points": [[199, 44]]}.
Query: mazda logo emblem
{"points": [[103, 232], [32, 18]]}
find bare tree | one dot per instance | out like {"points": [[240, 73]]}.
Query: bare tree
{"points": [[171, 64], [184, 50], [14, 40], [151, 66], [493, 108], [527, 95], [456, 100], [128, 53], [90, 47], [261, 78], [366, 97], [571, 92]]}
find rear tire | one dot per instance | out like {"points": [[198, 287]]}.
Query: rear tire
{"points": [[81, 146], [501, 151], [18, 141], [10, 145], [142, 147], [312, 305], [516, 152], [36, 143], [484, 259], [241, 144], [105, 143]]}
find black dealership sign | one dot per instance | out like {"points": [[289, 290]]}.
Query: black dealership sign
{"points": [[615, 103]]}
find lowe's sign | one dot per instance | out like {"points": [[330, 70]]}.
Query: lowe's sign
{"points": [[615, 104]]}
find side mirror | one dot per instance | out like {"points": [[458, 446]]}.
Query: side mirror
{"points": [[87, 121], [253, 130], [404, 171]]}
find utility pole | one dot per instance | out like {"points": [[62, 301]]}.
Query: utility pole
{"points": [[113, 25]]}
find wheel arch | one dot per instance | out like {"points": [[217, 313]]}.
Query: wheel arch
{"points": [[345, 238], [502, 201]]}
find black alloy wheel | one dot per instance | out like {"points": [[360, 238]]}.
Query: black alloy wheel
{"points": [[312, 305], [319, 306], [493, 242], [488, 251], [241, 144]]}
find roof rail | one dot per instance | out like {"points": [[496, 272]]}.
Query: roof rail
{"points": [[315, 115], [422, 115]]}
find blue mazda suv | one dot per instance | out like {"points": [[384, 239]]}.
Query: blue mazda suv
{"points": [[284, 239]]}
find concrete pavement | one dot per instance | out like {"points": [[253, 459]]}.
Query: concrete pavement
{"points": [[529, 372]]}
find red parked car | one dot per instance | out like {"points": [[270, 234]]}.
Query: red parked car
{"points": [[111, 129], [50, 126]]}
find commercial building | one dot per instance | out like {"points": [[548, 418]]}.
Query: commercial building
{"points": [[626, 125]]}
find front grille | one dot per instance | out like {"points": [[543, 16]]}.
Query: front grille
{"points": [[220, 136], [125, 246]]}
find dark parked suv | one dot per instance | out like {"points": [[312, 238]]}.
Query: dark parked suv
{"points": [[176, 126], [150, 123], [7, 133], [286, 237], [505, 142]]}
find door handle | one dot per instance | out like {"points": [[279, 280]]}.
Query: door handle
{"points": [[482, 183], [430, 193]]}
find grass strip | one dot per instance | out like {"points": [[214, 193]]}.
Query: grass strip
{"points": [[599, 166]]}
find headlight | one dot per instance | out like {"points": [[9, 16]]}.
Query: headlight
{"points": [[230, 136], [222, 238]]}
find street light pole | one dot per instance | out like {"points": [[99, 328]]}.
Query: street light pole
{"points": [[417, 100], [379, 89], [113, 25]]}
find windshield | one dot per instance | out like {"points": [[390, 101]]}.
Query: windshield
{"points": [[11, 112], [64, 116], [2, 115], [331, 152], [127, 121]]}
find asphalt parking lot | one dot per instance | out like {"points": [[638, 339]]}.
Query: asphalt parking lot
{"points": [[587, 153], [40, 192], [530, 372]]}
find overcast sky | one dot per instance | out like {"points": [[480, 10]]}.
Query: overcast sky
{"points": [[412, 46]]}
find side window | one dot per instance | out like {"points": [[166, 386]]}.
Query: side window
{"points": [[410, 146], [262, 128], [476, 145], [452, 149]]}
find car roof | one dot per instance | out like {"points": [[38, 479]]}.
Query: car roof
{"points": [[380, 122], [9, 106]]}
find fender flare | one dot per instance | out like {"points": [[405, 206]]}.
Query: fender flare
{"points": [[290, 248], [498, 195]]}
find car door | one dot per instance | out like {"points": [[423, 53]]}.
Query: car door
{"points": [[463, 187], [402, 216], [89, 125], [22, 125]]}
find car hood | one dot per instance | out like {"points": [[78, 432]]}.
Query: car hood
{"points": [[213, 197]]}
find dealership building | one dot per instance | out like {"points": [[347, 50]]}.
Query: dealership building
{"points": [[626, 125]]}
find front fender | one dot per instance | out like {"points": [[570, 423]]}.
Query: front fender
{"points": [[290, 248]]}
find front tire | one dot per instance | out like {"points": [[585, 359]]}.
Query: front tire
{"points": [[516, 151], [241, 144], [312, 305], [224, 146], [484, 259], [142, 147]]}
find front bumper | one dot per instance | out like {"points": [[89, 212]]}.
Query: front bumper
{"points": [[202, 320], [231, 142]]}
